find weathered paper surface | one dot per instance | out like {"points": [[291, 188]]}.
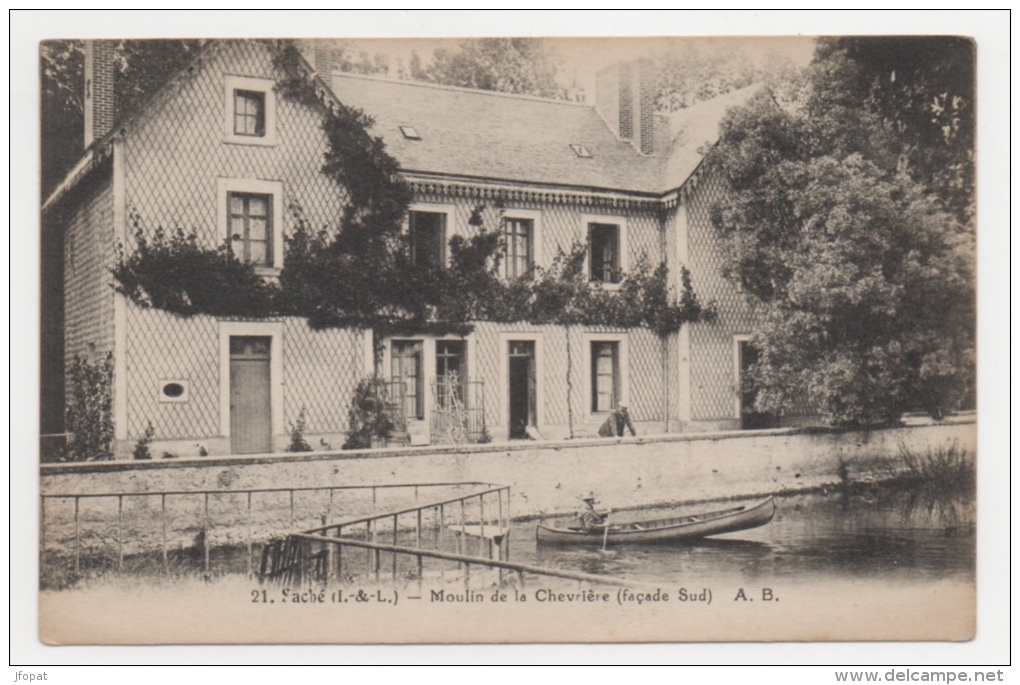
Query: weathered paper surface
{"points": [[748, 606]]}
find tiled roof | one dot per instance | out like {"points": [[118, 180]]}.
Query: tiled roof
{"points": [[692, 130], [477, 134]]}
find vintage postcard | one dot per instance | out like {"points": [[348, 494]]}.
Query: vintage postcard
{"points": [[508, 340]]}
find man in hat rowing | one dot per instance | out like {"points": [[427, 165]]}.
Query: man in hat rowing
{"points": [[591, 520]]}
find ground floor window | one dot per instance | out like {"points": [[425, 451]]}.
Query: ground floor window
{"points": [[605, 375], [451, 374], [406, 360]]}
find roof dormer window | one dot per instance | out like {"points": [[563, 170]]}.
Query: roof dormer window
{"points": [[580, 150], [410, 133]]}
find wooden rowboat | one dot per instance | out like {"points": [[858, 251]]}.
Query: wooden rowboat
{"points": [[657, 531]]}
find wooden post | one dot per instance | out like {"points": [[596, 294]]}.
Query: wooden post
{"points": [[248, 532], [292, 508], [166, 557], [420, 573], [77, 539], [205, 536], [509, 523], [120, 532], [463, 530], [368, 550], [417, 530], [42, 530], [394, 544], [499, 514], [481, 525], [339, 559]]}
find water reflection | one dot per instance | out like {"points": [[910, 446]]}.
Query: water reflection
{"points": [[834, 536]]}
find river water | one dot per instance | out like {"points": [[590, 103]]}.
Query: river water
{"points": [[878, 535]]}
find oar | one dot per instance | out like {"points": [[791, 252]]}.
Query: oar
{"points": [[605, 533]]}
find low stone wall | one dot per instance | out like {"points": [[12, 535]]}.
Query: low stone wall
{"points": [[545, 477]]}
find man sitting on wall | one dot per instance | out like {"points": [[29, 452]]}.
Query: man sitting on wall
{"points": [[616, 422]]}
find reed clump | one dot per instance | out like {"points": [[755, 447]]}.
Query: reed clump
{"points": [[941, 482]]}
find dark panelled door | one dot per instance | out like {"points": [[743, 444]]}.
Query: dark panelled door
{"points": [[251, 429], [522, 388]]}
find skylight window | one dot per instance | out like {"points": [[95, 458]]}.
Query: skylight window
{"points": [[580, 150], [410, 133]]}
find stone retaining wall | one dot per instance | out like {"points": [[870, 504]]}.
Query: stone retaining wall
{"points": [[545, 478]]}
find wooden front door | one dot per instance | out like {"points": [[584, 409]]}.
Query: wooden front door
{"points": [[251, 421]]}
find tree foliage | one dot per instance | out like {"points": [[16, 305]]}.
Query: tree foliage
{"points": [[506, 65], [141, 67], [855, 257], [691, 74], [921, 90], [175, 272]]}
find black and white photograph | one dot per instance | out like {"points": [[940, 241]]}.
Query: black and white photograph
{"points": [[352, 340]]}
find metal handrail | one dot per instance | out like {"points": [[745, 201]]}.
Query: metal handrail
{"points": [[447, 556], [409, 510], [207, 524], [146, 493]]}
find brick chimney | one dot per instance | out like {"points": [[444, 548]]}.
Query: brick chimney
{"points": [[99, 95], [625, 99], [322, 61], [319, 54]]}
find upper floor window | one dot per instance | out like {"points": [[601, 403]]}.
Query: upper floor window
{"points": [[250, 217], [604, 252], [428, 238], [251, 227], [519, 252], [250, 111], [522, 241]]}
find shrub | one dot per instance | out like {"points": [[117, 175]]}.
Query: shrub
{"points": [[142, 446], [297, 433], [89, 414], [370, 415]]}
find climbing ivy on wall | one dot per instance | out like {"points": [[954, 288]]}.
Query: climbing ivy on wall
{"points": [[359, 272]]}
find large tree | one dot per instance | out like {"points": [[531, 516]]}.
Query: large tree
{"points": [[851, 244]]}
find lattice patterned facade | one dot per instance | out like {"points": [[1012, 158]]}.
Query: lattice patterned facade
{"points": [[714, 380], [88, 252], [176, 167]]}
